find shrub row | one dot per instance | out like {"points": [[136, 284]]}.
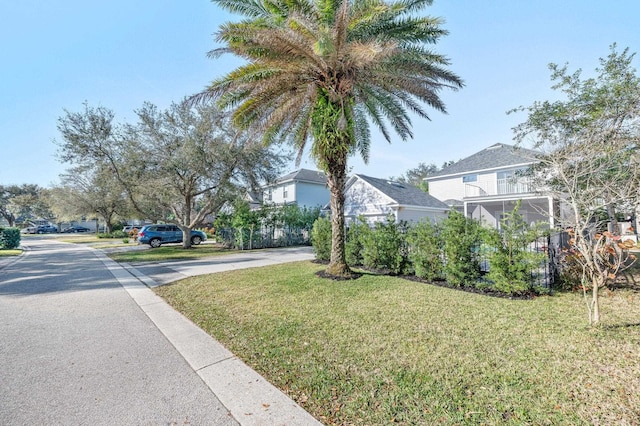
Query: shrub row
{"points": [[114, 234], [458, 250], [9, 238]]}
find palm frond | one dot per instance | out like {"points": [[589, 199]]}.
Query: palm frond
{"points": [[369, 59]]}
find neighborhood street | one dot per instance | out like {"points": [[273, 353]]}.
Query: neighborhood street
{"points": [[76, 349]]}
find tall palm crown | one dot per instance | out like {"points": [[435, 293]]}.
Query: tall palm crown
{"points": [[321, 70]]}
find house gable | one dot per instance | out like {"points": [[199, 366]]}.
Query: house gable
{"points": [[363, 199], [376, 199]]}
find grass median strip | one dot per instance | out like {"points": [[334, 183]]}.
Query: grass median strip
{"points": [[380, 349], [10, 252], [174, 252]]}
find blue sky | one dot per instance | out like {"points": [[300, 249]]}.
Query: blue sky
{"points": [[121, 53]]}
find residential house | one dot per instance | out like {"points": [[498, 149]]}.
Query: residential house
{"points": [[376, 199], [489, 183], [306, 188]]}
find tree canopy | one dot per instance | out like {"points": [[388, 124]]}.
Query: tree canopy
{"points": [[23, 202], [589, 159], [177, 165]]}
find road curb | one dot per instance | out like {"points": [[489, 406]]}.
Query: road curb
{"points": [[8, 261], [250, 398]]}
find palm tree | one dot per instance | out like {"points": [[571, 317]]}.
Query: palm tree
{"points": [[318, 70]]}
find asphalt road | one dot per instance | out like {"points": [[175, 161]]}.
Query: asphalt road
{"points": [[75, 349]]}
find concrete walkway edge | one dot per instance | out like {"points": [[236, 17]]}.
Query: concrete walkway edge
{"points": [[250, 399]]}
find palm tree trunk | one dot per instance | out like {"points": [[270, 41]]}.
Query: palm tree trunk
{"points": [[336, 179]]}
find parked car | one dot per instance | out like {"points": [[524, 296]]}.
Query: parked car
{"points": [[46, 229], [76, 229], [156, 235], [29, 230], [130, 228]]}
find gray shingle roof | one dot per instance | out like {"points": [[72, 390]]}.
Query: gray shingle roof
{"points": [[404, 193], [495, 156], [304, 175]]}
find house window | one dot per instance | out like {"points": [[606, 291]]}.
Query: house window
{"points": [[507, 174], [268, 195], [284, 193], [470, 178]]}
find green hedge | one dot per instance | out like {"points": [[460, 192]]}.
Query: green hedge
{"points": [[9, 238], [114, 234], [321, 238], [458, 250]]}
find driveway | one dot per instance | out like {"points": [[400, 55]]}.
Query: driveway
{"points": [[166, 272]]}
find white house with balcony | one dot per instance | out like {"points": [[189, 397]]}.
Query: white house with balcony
{"points": [[489, 183], [304, 187]]}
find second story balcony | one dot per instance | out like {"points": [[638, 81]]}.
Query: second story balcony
{"points": [[507, 186]]}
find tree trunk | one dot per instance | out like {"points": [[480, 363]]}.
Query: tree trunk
{"points": [[186, 237], [186, 230], [595, 303], [336, 179], [612, 226]]}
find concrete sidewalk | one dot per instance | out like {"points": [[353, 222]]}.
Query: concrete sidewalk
{"points": [[247, 395]]}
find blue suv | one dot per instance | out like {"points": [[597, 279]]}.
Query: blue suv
{"points": [[156, 235]]}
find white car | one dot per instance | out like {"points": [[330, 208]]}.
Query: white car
{"points": [[130, 228]]}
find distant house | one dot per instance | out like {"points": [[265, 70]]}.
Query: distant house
{"points": [[489, 183], [376, 199], [306, 188]]}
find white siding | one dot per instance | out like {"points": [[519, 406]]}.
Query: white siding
{"points": [[363, 200], [447, 188], [413, 215], [485, 184], [305, 194], [311, 194]]}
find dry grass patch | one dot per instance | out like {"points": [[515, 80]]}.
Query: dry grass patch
{"points": [[380, 350]]}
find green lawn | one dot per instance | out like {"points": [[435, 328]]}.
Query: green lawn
{"points": [[381, 350], [172, 252], [12, 252]]}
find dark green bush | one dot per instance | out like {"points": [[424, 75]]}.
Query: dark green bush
{"points": [[511, 259], [9, 238], [356, 233], [385, 247], [425, 250], [321, 238], [462, 237]]}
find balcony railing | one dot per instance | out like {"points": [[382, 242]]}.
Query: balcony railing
{"points": [[507, 186]]}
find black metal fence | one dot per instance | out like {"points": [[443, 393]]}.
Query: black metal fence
{"points": [[546, 273], [248, 239]]}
